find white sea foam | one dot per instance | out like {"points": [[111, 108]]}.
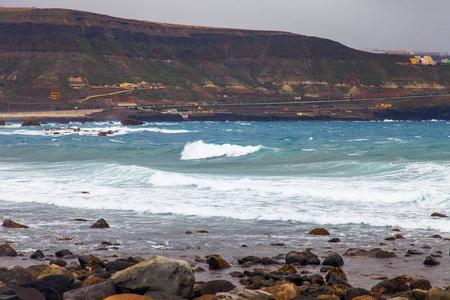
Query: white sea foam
{"points": [[404, 197], [201, 150]]}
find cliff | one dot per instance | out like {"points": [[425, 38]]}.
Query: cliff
{"points": [[45, 50]]}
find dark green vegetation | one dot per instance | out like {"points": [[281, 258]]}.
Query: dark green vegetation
{"points": [[41, 49]]}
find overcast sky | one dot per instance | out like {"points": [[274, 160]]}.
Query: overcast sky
{"points": [[420, 25]]}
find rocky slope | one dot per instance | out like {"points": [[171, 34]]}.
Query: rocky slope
{"points": [[45, 50]]}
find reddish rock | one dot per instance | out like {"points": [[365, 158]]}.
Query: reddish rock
{"points": [[439, 215], [319, 231], [11, 224], [7, 250], [216, 262]]}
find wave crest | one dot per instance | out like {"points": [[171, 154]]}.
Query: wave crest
{"points": [[201, 150]]}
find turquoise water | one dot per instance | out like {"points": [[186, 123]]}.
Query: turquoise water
{"points": [[236, 178]]}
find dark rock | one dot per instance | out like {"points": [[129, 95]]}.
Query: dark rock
{"points": [[317, 291], [20, 293], [319, 231], [253, 259], [430, 261], [11, 224], [2, 122], [278, 244], [355, 292], [59, 262], [401, 283], [91, 261], [333, 259], [315, 278], [237, 274], [384, 287], [384, 254], [64, 252], [216, 262], [98, 291], [216, 286], [101, 223], [268, 261], [15, 274], [295, 257], [119, 265], [413, 252], [37, 254], [31, 123], [7, 250], [296, 279], [311, 258], [336, 276], [52, 287], [135, 259], [436, 236], [334, 240], [420, 284], [131, 122], [79, 219]]}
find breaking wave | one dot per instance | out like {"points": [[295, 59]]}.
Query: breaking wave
{"points": [[201, 150]]}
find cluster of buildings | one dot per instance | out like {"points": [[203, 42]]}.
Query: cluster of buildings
{"points": [[420, 58]]}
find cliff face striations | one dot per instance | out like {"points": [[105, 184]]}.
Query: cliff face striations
{"points": [[68, 51]]}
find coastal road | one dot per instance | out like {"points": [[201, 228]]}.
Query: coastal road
{"points": [[74, 113]]}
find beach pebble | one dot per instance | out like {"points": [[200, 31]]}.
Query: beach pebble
{"points": [[216, 262], [334, 260], [430, 261], [11, 224]]}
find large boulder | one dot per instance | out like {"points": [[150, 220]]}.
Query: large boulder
{"points": [[319, 231], [295, 257], [11, 224], [91, 261], [157, 274], [99, 291], [55, 270], [131, 122], [52, 287]]}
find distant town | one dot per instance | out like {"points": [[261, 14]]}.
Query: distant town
{"points": [[420, 58]]}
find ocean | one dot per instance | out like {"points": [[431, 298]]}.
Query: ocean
{"points": [[258, 184]]}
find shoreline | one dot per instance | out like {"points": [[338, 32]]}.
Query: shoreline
{"points": [[362, 272]]}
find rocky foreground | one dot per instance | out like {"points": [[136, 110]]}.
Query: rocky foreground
{"points": [[66, 275]]}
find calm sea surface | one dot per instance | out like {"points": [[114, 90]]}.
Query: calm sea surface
{"points": [[246, 183]]}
